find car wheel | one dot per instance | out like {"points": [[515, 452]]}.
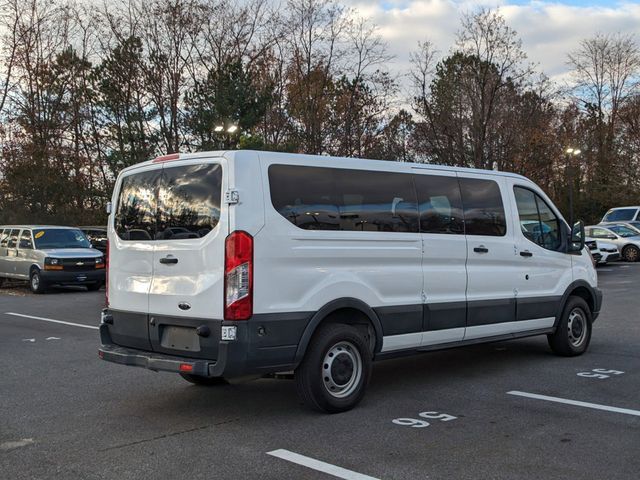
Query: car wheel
{"points": [[94, 287], [631, 253], [35, 282], [573, 333], [336, 368], [204, 381]]}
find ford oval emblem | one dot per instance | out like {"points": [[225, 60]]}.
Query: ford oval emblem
{"points": [[184, 306]]}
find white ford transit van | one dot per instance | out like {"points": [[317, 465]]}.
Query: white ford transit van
{"points": [[224, 264]]}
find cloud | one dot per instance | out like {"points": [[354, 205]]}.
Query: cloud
{"points": [[549, 30]]}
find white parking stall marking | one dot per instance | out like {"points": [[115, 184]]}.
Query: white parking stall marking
{"points": [[314, 464], [595, 406], [599, 373], [51, 320], [16, 444]]}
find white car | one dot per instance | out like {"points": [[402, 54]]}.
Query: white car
{"points": [[608, 252], [322, 265], [622, 214]]}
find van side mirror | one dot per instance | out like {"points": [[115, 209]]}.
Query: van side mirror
{"points": [[576, 242], [108, 208]]}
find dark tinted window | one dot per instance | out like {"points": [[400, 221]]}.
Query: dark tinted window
{"points": [[25, 239], [317, 198], [440, 204], [189, 201], [175, 203], [620, 215], [483, 207], [538, 223], [13, 238], [135, 217]]}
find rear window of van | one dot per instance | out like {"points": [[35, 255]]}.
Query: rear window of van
{"points": [[173, 203]]}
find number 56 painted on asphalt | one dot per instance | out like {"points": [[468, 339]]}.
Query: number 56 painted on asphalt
{"points": [[415, 423]]}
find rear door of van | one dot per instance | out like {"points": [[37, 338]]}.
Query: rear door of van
{"points": [[131, 249], [186, 291]]}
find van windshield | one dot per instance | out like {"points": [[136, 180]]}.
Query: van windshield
{"points": [[174, 203], [60, 238]]}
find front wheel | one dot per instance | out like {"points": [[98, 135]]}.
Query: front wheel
{"points": [[35, 282], [573, 334], [335, 371], [94, 287]]}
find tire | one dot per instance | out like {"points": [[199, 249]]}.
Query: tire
{"points": [[573, 334], [36, 283], [94, 287], [204, 381], [631, 253], [335, 370]]}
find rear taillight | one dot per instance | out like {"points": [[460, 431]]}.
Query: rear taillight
{"points": [[238, 276], [106, 275]]}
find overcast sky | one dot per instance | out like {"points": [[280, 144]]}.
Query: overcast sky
{"points": [[548, 29]]}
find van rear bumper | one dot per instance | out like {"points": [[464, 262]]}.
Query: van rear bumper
{"points": [[159, 362]]}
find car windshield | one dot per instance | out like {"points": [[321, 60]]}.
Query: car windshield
{"points": [[60, 238], [623, 231], [621, 215]]}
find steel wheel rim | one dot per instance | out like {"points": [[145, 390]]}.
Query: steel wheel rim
{"points": [[577, 327], [35, 281], [341, 369]]}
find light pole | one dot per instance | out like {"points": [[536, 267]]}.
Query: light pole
{"points": [[571, 154], [226, 133]]}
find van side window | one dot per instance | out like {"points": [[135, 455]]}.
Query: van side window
{"points": [[538, 223], [13, 238], [4, 238], [318, 198], [25, 240], [440, 204], [483, 207]]}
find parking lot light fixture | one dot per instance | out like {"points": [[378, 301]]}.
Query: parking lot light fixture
{"points": [[218, 128], [232, 129]]}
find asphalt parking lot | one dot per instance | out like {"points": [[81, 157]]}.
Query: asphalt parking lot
{"points": [[498, 411]]}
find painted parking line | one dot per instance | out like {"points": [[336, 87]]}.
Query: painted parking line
{"points": [[319, 466], [51, 320], [595, 406]]}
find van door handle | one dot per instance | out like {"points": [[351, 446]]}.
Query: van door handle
{"points": [[169, 260], [526, 253], [481, 249]]}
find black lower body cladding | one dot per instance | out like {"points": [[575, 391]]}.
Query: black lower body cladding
{"points": [[264, 344]]}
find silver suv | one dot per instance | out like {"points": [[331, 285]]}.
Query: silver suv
{"points": [[46, 255]]}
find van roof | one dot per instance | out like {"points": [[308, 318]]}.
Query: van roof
{"points": [[345, 161]]}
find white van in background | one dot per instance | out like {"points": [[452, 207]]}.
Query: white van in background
{"points": [[223, 264]]}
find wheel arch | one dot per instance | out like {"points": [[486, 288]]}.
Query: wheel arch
{"points": [[579, 288], [341, 310]]}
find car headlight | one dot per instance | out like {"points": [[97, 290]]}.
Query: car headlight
{"points": [[51, 261]]}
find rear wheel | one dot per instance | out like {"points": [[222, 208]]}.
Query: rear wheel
{"points": [[631, 253], [573, 334], [335, 371], [204, 381], [35, 282]]}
